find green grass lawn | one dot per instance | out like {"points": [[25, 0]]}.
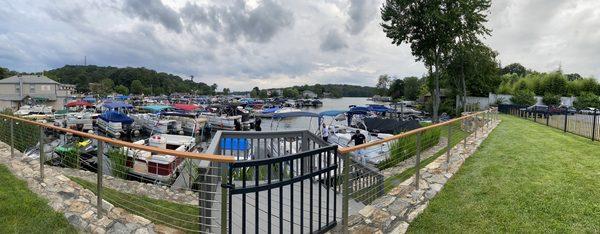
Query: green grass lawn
{"points": [[22, 211], [525, 177]]}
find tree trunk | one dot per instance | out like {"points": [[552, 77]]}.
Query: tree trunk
{"points": [[463, 82], [436, 95]]}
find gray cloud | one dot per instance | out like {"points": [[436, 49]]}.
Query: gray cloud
{"points": [[258, 25], [361, 12], [156, 11], [333, 41]]}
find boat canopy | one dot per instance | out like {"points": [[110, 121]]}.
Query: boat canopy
{"points": [[89, 99], [270, 110], [113, 116], [116, 105], [185, 107], [295, 114], [156, 108], [122, 97], [332, 113], [358, 110], [378, 108], [78, 103]]}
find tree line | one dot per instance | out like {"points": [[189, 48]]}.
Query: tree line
{"points": [[105, 80], [326, 90]]}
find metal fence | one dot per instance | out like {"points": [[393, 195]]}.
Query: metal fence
{"points": [[245, 182], [579, 122]]}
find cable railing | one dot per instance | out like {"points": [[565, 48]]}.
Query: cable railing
{"points": [[584, 122], [244, 182]]}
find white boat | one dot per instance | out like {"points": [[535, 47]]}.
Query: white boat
{"points": [[341, 135], [190, 124], [153, 123], [79, 120], [33, 110], [287, 110], [222, 121], [115, 123], [159, 167]]}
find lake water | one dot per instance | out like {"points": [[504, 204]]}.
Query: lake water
{"points": [[304, 123]]}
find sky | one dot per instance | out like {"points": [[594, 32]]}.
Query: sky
{"points": [[240, 44]]}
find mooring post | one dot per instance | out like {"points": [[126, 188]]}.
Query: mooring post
{"points": [[418, 160], [99, 171], [12, 138], [42, 154]]}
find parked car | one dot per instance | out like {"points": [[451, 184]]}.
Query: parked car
{"points": [[538, 108], [589, 111], [571, 110]]}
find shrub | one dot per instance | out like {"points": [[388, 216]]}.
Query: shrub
{"points": [[523, 97], [551, 99], [405, 148], [587, 100]]}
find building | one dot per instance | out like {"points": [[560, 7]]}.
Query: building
{"points": [[309, 94], [19, 90]]}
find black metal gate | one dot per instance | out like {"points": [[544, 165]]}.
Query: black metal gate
{"points": [[286, 194]]}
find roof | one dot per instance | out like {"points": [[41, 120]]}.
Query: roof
{"points": [[28, 79]]}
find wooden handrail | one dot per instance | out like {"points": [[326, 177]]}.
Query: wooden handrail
{"points": [[345, 150], [183, 154]]}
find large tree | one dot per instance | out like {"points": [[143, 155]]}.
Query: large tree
{"points": [[412, 88], [473, 70], [396, 89], [382, 84], [432, 28]]}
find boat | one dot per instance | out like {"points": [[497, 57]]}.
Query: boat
{"points": [[82, 121], [341, 135], [33, 110], [153, 123], [158, 167], [190, 123], [115, 123], [224, 122]]}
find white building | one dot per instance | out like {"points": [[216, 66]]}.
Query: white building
{"points": [[19, 90], [309, 94]]}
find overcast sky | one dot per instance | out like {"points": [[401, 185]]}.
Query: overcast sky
{"points": [[275, 43]]}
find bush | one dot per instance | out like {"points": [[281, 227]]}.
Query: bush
{"points": [[587, 100], [523, 97], [551, 99], [405, 148]]}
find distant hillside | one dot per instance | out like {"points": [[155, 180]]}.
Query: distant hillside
{"points": [[339, 90], [152, 82]]}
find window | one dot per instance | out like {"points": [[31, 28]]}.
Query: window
{"points": [[17, 88], [31, 88]]}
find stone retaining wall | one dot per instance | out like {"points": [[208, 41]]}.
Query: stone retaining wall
{"points": [[76, 203]]}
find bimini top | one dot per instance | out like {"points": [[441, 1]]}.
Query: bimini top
{"points": [[78, 103], [185, 107], [89, 99], [113, 116], [156, 108], [270, 110], [378, 108], [358, 110], [332, 113], [295, 114], [117, 105]]}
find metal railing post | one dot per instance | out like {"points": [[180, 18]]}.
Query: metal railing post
{"points": [[594, 125], [566, 117], [99, 172], [224, 179], [418, 160], [448, 147], [346, 191], [42, 154], [12, 138]]}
